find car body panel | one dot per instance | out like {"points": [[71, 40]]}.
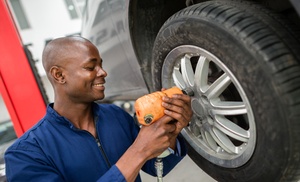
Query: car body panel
{"points": [[108, 25]]}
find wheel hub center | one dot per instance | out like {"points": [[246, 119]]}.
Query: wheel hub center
{"points": [[199, 109]]}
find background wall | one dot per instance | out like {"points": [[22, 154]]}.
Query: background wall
{"points": [[4, 116], [41, 21]]}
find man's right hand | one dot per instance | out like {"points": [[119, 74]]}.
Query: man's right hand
{"points": [[155, 138], [151, 141]]}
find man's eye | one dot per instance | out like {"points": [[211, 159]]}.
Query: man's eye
{"points": [[90, 68]]}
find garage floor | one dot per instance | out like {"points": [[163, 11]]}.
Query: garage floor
{"points": [[185, 171]]}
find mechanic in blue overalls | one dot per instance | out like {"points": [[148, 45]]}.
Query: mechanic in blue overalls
{"points": [[81, 140]]}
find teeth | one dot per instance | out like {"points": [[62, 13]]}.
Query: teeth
{"points": [[98, 85]]}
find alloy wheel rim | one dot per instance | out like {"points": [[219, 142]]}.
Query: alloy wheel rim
{"points": [[222, 129]]}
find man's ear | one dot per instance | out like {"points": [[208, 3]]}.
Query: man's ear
{"points": [[57, 74]]}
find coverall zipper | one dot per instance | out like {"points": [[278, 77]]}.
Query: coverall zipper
{"points": [[98, 141], [102, 152]]}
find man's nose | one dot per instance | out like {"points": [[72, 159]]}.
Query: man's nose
{"points": [[101, 72]]}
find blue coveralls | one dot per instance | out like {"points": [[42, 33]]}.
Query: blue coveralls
{"points": [[54, 150]]}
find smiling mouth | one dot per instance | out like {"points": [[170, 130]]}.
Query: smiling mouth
{"points": [[98, 85]]}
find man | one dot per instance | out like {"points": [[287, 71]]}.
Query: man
{"points": [[80, 140]]}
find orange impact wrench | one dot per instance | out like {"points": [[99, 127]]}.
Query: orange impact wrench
{"points": [[148, 107]]}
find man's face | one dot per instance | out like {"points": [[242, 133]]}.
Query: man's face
{"points": [[84, 75]]}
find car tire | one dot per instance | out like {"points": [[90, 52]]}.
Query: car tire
{"points": [[241, 64]]}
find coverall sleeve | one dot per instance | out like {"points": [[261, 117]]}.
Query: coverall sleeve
{"points": [[113, 174], [26, 165]]}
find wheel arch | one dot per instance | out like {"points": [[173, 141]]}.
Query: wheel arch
{"points": [[145, 19]]}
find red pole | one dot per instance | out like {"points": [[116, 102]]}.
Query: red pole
{"points": [[18, 86]]}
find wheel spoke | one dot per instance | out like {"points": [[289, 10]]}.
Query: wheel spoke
{"points": [[178, 79], [223, 140], [231, 129], [187, 70], [195, 126], [201, 73], [228, 108], [210, 141], [216, 88]]}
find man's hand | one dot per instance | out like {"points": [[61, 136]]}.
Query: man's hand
{"points": [[155, 138], [179, 108]]}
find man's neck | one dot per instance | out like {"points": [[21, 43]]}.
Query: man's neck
{"points": [[80, 115]]}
